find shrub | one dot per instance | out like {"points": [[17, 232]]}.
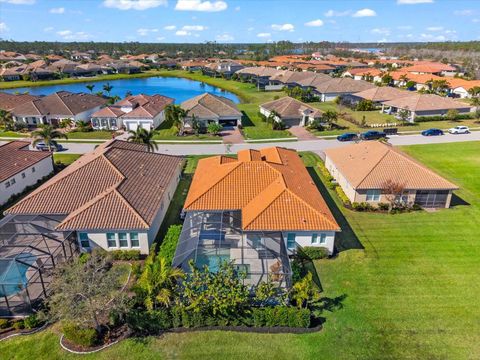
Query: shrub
{"points": [[126, 255], [31, 322], [87, 337], [169, 243], [323, 170], [149, 322], [363, 206], [383, 206], [313, 252], [18, 325], [4, 323], [365, 105], [296, 271], [287, 316], [443, 118], [343, 197]]}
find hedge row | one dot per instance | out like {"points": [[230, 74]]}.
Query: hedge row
{"points": [[125, 255], [313, 252], [169, 243], [81, 336], [443, 118]]}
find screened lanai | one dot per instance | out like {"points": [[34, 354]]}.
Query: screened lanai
{"points": [[209, 238], [30, 248]]}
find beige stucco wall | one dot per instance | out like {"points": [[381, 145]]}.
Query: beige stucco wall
{"points": [[304, 238], [341, 180]]}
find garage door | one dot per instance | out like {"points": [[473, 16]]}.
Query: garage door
{"points": [[132, 126], [145, 125], [228, 122], [291, 122]]}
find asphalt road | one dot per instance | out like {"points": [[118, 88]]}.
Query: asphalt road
{"points": [[308, 145]]}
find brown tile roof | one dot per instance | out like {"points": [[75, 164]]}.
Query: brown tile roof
{"points": [[118, 186], [368, 165], [60, 103], [209, 105], [15, 157], [9, 101], [109, 111], [343, 85], [382, 93], [271, 187], [288, 107], [362, 72], [149, 106], [426, 102]]}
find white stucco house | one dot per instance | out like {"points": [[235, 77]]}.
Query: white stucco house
{"points": [[21, 167], [290, 111]]}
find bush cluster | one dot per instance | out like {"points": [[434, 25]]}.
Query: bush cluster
{"points": [[363, 206], [31, 322], [169, 243], [281, 316], [4, 323], [341, 194], [323, 170], [313, 252], [87, 337], [443, 118], [126, 255]]}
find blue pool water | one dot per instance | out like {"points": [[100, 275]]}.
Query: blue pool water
{"points": [[213, 261], [177, 88], [13, 275]]}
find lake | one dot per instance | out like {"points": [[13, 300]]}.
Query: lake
{"points": [[178, 88]]}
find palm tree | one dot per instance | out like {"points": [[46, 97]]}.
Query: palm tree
{"points": [[47, 134], [176, 115], [90, 87], [145, 137], [83, 126], [108, 88], [157, 282], [6, 120]]}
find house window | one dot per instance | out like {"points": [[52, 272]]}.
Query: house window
{"points": [[314, 239], [373, 195], [111, 240], [291, 244], [7, 184], [84, 240], [323, 238], [33, 169], [134, 240], [122, 238], [12, 181], [23, 175]]}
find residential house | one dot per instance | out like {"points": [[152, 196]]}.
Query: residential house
{"points": [[114, 198], [290, 111], [421, 81], [379, 94], [366, 170], [209, 108], [371, 75], [88, 69], [460, 88], [431, 68], [424, 105], [21, 167], [146, 111], [53, 108], [9, 101], [259, 75], [191, 65], [329, 90]]}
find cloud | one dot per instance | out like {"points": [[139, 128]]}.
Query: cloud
{"points": [[19, 2], [476, 20], [314, 23], [160, 38], [64, 32], [224, 37], [405, 27], [182, 33], [194, 28], [145, 32], [435, 28], [251, 28], [170, 27], [283, 27], [331, 13], [3, 27], [264, 35], [413, 2], [381, 31], [465, 12], [134, 4], [48, 29], [199, 5], [59, 10], [431, 37], [74, 36], [237, 8], [365, 13]]}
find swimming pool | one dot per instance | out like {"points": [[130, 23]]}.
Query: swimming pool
{"points": [[13, 274], [213, 259]]}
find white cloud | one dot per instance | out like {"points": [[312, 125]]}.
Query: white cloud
{"points": [[224, 38], [465, 12], [145, 32], [182, 33], [412, 2], [64, 32], [237, 8], [134, 4], [381, 31], [264, 35], [194, 28], [170, 27], [431, 37], [199, 5], [251, 28], [3, 27], [283, 27], [73, 36], [19, 2], [404, 27], [476, 20], [48, 29], [59, 10], [160, 38], [314, 23], [435, 28], [331, 13], [365, 13]]}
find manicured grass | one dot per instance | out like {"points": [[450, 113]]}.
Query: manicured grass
{"points": [[412, 292], [65, 159], [97, 134], [167, 131], [13, 134], [255, 128]]}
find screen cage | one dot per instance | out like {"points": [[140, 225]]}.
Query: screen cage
{"points": [[30, 249], [209, 238]]}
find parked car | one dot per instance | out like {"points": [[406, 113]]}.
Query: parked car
{"points": [[459, 130], [347, 137], [432, 132], [43, 147], [373, 135]]}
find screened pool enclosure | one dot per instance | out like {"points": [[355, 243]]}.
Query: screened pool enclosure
{"points": [[30, 248], [209, 238]]}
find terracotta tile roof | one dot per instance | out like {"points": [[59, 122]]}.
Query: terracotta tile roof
{"points": [[343, 85], [367, 165], [15, 157], [418, 78], [209, 105], [426, 102], [288, 107], [429, 68], [9, 101], [466, 84], [152, 107], [109, 111], [362, 72], [118, 186], [60, 103], [382, 93], [271, 187]]}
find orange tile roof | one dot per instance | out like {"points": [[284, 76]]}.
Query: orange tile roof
{"points": [[271, 187], [368, 165], [118, 186]]}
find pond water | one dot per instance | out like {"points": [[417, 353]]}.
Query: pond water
{"points": [[178, 88]]}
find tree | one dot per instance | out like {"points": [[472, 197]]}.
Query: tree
{"points": [[403, 114], [196, 126], [272, 117], [474, 91], [393, 191], [145, 137], [65, 123], [157, 282], [305, 292], [108, 88], [439, 87], [452, 114], [83, 126], [176, 115], [213, 128], [330, 118], [48, 135], [85, 291], [90, 87], [6, 120]]}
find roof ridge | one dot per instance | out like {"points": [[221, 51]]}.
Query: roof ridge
{"points": [[135, 212], [244, 226], [63, 102], [373, 168]]}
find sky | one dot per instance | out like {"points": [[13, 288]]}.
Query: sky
{"points": [[239, 21]]}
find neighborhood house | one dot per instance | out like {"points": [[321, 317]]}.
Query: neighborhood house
{"points": [[290, 111]]}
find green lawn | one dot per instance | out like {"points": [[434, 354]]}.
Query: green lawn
{"points": [[13, 134], [97, 134], [412, 292], [65, 159]]}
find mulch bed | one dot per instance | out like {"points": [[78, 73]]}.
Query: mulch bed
{"points": [[115, 335], [4, 333]]}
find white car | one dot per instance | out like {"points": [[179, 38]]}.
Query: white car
{"points": [[459, 130]]}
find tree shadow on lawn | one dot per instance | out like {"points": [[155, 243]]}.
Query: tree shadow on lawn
{"points": [[346, 239], [246, 121]]}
